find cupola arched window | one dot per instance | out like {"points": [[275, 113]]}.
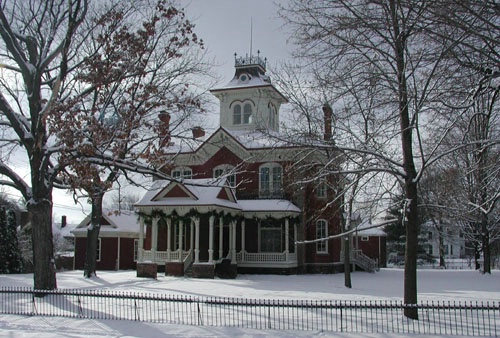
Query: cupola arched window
{"points": [[237, 114], [242, 113]]}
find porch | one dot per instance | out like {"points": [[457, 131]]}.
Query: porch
{"points": [[206, 241]]}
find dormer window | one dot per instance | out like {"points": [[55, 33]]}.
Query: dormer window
{"points": [[182, 172], [242, 113], [227, 171]]}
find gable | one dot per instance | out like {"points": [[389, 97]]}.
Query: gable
{"points": [[226, 194], [174, 190], [219, 140]]}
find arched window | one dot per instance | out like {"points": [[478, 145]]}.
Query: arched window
{"points": [[270, 181], [322, 232], [242, 113], [247, 113], [237, 114], [272, 116], [182, 172], [227, 171]]}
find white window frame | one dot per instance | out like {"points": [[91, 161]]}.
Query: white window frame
{"points": [[273, 228], [182, 173], [237, 114], [365, 238], [228, 171], [322, 232], [321, 190], [247, 113], [136, 249], [274, 186]]}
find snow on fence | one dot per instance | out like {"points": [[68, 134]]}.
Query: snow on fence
{"points": [[439, 317]]}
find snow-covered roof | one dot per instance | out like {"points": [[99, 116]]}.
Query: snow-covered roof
{"points": [[366, 228], [255, 139], [255, 81], [123, 223], [65, 231], [207, 195]]}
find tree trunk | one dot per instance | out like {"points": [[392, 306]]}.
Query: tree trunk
{"points": [[442, 262], [347, 261], [485, 238], [93, 230], [410, 187], [44, 270]]}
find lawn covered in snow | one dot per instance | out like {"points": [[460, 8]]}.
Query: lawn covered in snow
{"points": [[455, 285]]}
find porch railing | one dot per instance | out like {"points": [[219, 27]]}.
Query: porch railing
{"points": [[161, 257], [265, 257]]}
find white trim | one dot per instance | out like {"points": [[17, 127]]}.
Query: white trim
{"points": [[322, 245]]}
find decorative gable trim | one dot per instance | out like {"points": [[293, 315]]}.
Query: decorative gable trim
{"points": [[174, 190], [227, 194]]}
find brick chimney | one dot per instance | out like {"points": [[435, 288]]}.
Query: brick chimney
{"points": [[327, 111], [198, 132], [63, 221]]}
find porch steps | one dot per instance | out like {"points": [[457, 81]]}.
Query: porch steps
{"points": [[188, 272], [364, 262]]}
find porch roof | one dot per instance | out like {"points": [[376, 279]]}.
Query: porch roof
{"points": [[207, 195], [274, 208]]}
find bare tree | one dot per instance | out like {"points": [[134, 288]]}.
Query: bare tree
{"points": [[133, 96], [355, 46], [60, 60], [36, 54]]}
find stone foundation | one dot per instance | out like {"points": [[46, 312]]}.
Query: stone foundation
{"points": [[148, 270], [203, 270], [226, 270], [174, 269]]}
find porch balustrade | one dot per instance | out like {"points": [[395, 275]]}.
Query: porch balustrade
{"points": [[265, 257], [164, 256]]}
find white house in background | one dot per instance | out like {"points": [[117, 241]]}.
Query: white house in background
{"points": [[451, 237], [118, 241]]}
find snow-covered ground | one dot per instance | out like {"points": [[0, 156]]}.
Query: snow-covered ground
{"points": [[456, 285]]}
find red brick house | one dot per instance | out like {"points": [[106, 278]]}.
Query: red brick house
{"points": [[237, 201], [118, 241], [372, 242]]}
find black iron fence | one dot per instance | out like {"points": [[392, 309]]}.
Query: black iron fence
{"points": [[437, 317]]}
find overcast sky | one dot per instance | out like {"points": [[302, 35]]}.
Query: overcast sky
{"points": [[226, 27]]}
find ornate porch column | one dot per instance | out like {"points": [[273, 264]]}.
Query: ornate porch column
{"points": [[295, 239], [191, 234], [197, 240], [221, 238], [243, 240], [169, 237], [141, 239], [211, 222], [232, 234], [181, 233], [154, 239], [287, 235]]}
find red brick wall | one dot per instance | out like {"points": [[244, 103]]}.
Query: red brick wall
{"points": [[109, 256]]}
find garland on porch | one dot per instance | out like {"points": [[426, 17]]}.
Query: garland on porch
{"points": [[158, 213]]}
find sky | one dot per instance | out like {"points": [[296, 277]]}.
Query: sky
{"points": [[226, 27], [386, 284]]}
